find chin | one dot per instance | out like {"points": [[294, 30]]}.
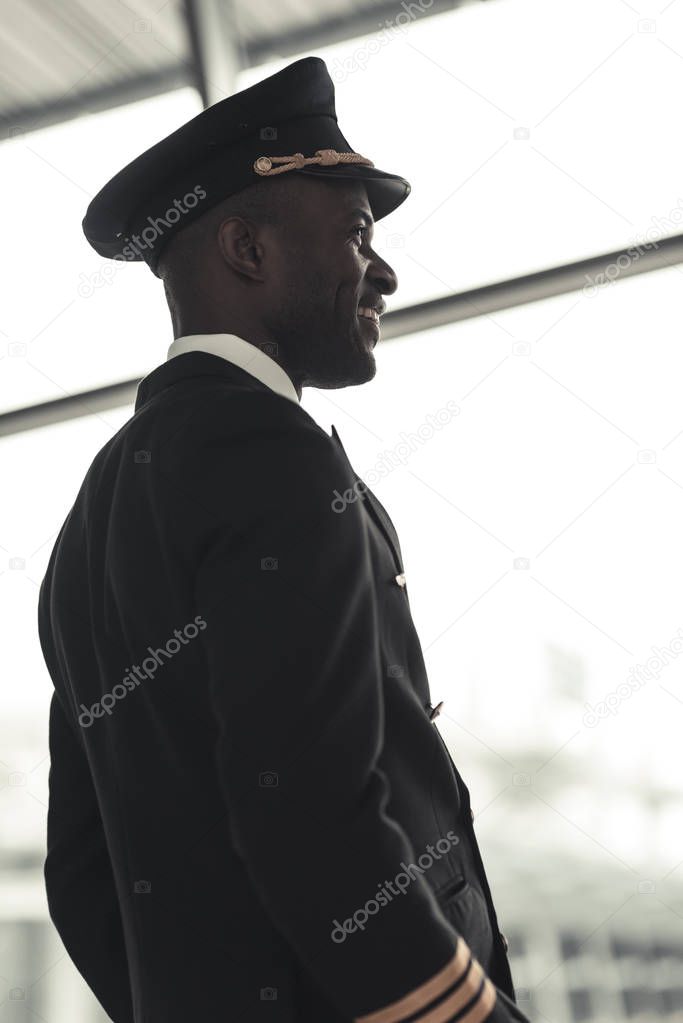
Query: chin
{"points": [[354, 364], [358, 371]]}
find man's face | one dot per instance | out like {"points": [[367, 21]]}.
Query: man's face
{"points": [[322, 272]]}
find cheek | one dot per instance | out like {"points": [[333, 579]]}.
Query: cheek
{"points": [[353, 270]]}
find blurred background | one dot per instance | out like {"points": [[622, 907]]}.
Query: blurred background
{"points": [[539, 259]]}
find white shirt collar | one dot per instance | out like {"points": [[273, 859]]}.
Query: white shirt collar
{"points": [[243, 354]]}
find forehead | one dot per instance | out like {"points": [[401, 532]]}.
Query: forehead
{"points": [[338, 198], [352, 200]]}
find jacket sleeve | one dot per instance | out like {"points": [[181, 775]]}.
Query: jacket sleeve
{"points": [[79, 882], [287, 589]]}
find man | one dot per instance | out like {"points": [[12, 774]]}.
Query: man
{"points": [[252, 814]]}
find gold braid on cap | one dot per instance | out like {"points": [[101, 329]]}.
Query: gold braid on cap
{"points": [[325, 157]]}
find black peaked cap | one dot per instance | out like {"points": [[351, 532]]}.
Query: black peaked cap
{"points": [[225, 149]]}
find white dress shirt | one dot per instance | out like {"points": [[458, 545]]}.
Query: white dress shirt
{"points": [[243, 354]]}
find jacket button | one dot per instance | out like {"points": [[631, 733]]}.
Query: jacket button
{"points": [[401, 580], [435, 711], [504, 942]]}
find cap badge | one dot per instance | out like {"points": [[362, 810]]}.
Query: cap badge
{"points": [[325, 157]]}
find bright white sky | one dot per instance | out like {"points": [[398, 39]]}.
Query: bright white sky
{"points": [[542, 462]]}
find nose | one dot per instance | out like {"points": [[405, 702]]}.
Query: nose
{"points": [[382, 275]]}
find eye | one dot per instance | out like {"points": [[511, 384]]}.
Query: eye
{"points": [[363, 228]]}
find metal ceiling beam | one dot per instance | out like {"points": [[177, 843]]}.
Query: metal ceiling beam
{"points": [[215, 45], [87, 403], [595, 273], [25, 119]]}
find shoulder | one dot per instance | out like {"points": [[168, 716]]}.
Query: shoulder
{"points": [[249, 453], [233, 421]]}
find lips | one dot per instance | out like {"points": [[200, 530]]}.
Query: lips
{"points": [[368, 313]]}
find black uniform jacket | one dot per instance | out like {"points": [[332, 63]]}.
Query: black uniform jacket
{"points": [[252, 815]]}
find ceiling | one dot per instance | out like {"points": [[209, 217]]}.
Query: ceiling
{"points": [[62, 58]]}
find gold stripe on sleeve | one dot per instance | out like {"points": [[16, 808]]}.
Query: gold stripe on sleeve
{"points": [[421, 996], [483, 1006], [456, 1002]]}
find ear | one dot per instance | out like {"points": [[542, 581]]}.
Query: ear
{"points": [[241, 248]]}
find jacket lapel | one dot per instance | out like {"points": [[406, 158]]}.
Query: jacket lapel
{"points": [[375, 509]]}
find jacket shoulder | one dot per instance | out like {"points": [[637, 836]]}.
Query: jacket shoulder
{"points": [[216, 408], [228, 461]]}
